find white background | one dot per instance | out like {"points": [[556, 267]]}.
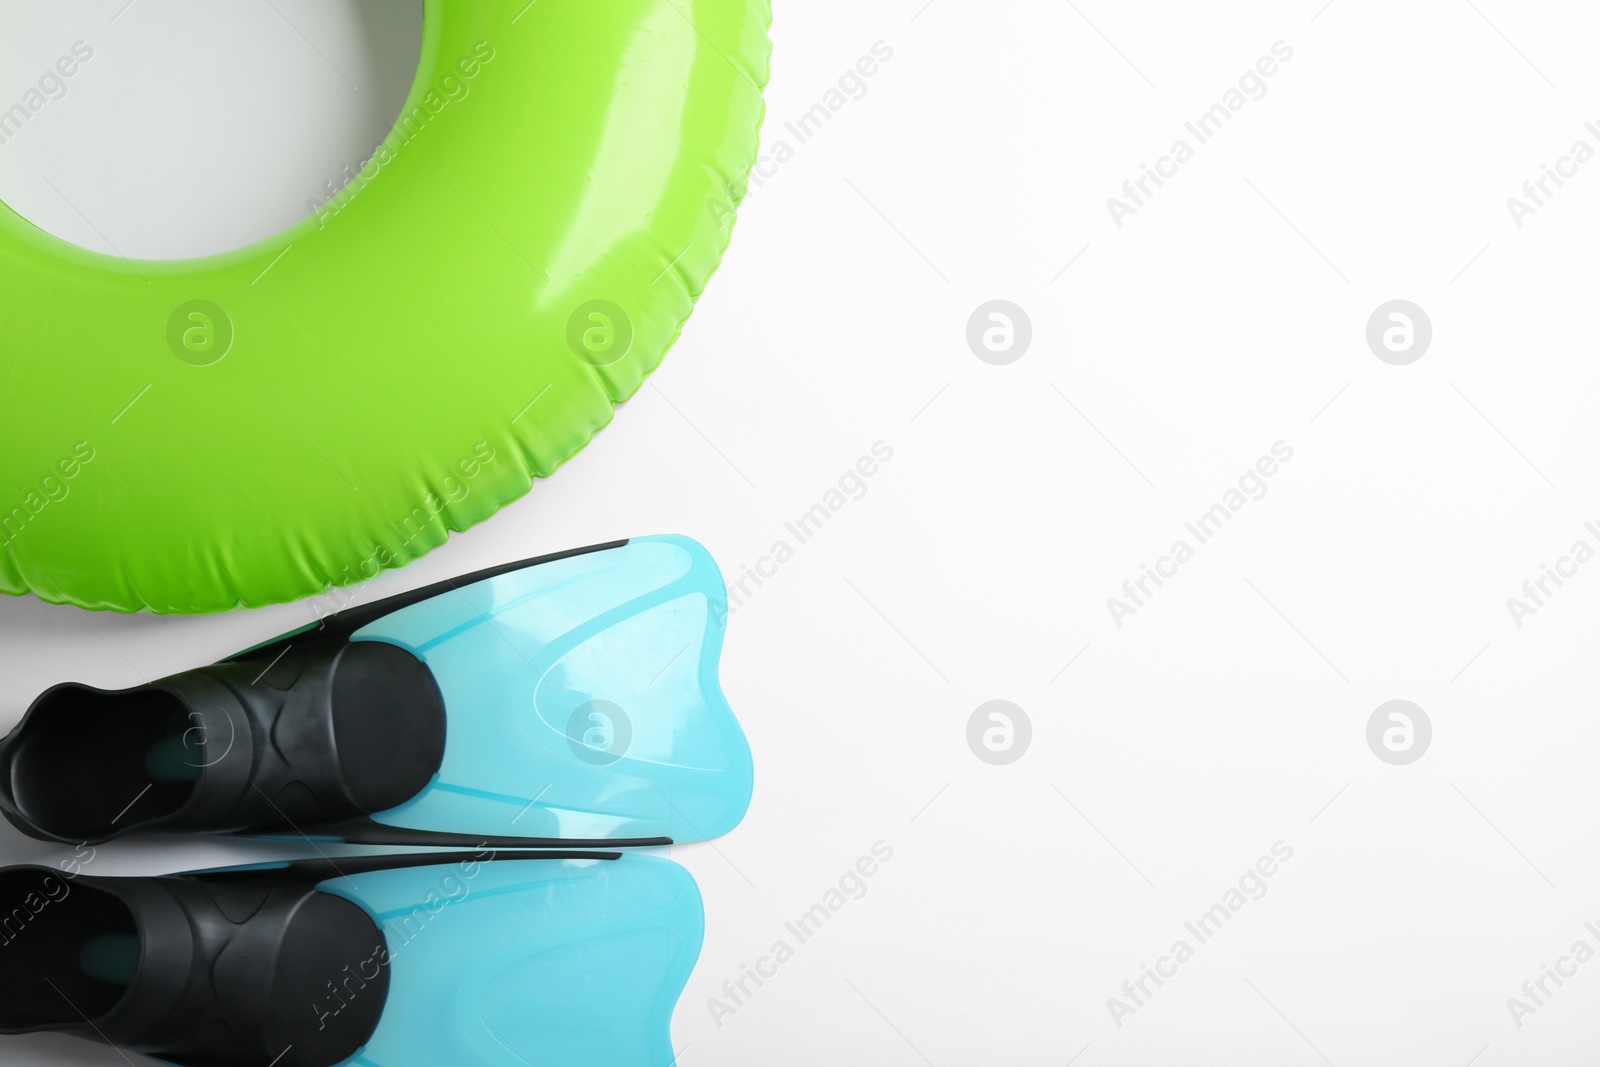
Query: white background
{"points": [[1226, 315]]}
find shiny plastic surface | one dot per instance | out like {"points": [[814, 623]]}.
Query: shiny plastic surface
{"points": [[558, 963], [582, 699], [520, 253]]}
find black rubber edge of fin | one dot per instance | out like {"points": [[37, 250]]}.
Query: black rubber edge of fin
{"points": [[325, 869], [365, 831], [341, 624]]}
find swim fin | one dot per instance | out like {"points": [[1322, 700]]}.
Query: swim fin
{"points": [[411, 961], [570, 700]]}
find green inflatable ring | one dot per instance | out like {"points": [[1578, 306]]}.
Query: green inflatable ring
{"points": [[255, 427]]}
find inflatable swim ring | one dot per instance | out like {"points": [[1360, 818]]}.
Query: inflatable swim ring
{"points": [[519, 254]]}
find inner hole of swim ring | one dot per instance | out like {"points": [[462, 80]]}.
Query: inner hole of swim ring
{"points": [[167, 129]]}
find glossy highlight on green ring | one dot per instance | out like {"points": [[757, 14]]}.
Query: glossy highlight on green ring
{"points": [[257, 426]]}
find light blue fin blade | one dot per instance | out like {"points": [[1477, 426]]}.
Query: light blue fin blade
{"points": [[512, 963], [582, 699]]}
